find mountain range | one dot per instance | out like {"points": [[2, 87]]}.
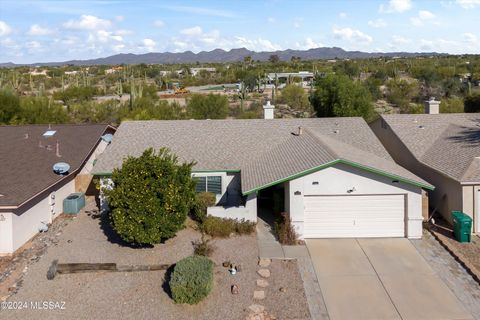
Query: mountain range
{"points": [[233, 55]]}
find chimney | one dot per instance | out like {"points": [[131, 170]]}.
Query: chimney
{"points": [[268, 111], [432, 106]]}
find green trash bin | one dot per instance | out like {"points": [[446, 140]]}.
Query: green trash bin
{"points": [[462, 226]]}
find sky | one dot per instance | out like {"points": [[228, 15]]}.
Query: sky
{"points": [[55, 30]]}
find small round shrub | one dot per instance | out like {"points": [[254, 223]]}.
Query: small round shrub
{"points": [[192, 279]]}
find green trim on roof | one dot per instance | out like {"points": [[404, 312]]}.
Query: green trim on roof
{"points": [[347, 162]]}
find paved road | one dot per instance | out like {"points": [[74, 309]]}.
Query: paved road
{"points": [[380, 279]]}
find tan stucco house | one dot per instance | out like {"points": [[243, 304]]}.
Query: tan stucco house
{"points": [[443, 149], [332, 175], [31, 191]]}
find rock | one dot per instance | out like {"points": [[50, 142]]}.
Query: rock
{"points": [[265, 273], [264, 262], [234, 289], [262, 283], [226, 264], [259, 294], [256, 308], [282, 289]]}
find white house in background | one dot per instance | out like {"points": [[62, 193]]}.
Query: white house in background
{"points": [[35, 72], [31, 193], [196, 71], [332, 175], [71, 73]]}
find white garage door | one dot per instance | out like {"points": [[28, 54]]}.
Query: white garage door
{"points": [[354, 216]]}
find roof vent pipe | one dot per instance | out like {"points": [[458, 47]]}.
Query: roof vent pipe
{"points": [[300, 131], [58, 150], [26, 135]]}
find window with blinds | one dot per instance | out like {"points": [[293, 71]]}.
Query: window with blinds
{"points": [[211, 184]]}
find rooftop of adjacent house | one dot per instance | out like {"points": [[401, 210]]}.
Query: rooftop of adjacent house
{"points": [[28, 153], [265, 151], [448, 143]]}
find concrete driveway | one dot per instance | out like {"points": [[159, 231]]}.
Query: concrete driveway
{"points": [[380, 279]]}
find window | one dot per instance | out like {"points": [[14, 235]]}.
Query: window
{"points": [[209, 184]]}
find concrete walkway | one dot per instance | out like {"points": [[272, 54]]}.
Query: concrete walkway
{"points": [[380, 279], [268, 246]]}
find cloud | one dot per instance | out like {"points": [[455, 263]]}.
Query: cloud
{"points": [[88, 22], [202, 11], [468, 4], [396, 6], [400, 40], [4, 28], [308, 43], [258, 44], [342, 15], [193, 31], [470, 38], [378, 23], [158, 23], [271, 20], [37, 30], [119, 18], [422, 17], [148, 44], [352, 35]]}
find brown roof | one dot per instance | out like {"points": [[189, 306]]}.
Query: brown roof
{"points": [[27, 157], [265, 151], [448, 143]]}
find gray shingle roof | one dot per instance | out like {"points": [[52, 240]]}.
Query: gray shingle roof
{"points": [[27, 157], [264, 150], [448, 143]]}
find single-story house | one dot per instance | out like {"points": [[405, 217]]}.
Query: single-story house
{"points": [[31, 193], [443, 149], [332, 175]]}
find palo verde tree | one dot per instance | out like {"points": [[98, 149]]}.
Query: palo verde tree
{"points": [[151, 197]]}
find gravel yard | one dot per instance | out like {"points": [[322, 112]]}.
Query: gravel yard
{"points": [[468, 252], [143, 295]]}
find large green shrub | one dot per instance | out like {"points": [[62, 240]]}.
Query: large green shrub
{"points": [[472, 103], [192, 279], [203, 200], [151, 198]]}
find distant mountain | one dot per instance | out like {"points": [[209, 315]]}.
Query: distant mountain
{"points": [[233, 55]]}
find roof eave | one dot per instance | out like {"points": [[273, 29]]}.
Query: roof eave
{"points": [[347, 162]]}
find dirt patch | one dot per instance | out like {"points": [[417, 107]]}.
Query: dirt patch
{"points": [[468, 252], [144, 295]]}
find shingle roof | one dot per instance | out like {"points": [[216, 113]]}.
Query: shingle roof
{"points": [[265, 151], [448, 143], [27, 157]]}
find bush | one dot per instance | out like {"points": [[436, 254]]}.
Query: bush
{"points": [[151, 198], [203, 200], [192, 279], [452, 105], [285, 231], [472, 103], [203, 247], [222, 227]]}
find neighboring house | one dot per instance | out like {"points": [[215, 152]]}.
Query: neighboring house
{"points": [[196, 71], [332, 175], [31, 194], [443, 149]]}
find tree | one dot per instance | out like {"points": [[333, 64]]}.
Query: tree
{"points": [[211, 106], [401, 93], [273, 58], [9, 106], [295, 97], [151, 197], [339, 96], [472, 103]]}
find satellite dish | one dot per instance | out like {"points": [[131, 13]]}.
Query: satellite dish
{"points": [[107, 137], [61, 168]]}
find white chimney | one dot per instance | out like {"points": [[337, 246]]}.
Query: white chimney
{"points": [[268, 111], [432, 106]]}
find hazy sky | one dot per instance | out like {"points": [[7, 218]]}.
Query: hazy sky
{"points": [[40, 31]]}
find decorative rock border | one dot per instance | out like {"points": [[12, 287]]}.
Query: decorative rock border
{"points": [[257, 311]]}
